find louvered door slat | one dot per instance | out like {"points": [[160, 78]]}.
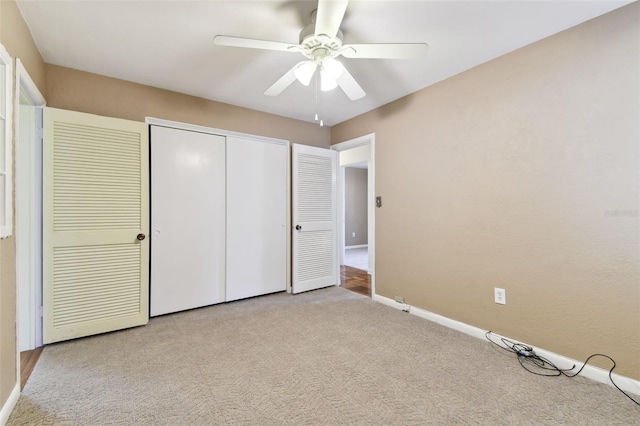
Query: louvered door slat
{"points": [[314, 243], [95, 203]]}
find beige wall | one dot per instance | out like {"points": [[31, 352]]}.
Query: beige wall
{"points": [[522, 173], [92, 93], [16, 38]]}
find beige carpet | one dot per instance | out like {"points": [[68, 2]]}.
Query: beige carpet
{"points": [[328, 357]]}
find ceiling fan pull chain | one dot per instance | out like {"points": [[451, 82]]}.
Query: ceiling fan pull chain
{"points": [[318, 99], [321, 110]]}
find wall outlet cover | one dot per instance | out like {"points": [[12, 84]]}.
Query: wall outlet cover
{"points": [[500, 296]]}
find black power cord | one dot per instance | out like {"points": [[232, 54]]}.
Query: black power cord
{"points": [[541, 366]]}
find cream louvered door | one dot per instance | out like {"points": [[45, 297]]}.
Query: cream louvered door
{"points": [[315, 260], [95, 223]]}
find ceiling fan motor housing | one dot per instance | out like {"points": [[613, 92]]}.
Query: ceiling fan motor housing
{"points": [[319, 46]]}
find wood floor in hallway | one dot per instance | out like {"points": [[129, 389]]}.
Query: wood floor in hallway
{"points": [[356, 280], [28, 360]]}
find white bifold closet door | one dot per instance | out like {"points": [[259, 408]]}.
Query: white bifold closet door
{"points": [[188, 232], [257, 176]]}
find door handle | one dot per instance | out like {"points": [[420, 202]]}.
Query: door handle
{"points": [[141, 237], [298, 227]]}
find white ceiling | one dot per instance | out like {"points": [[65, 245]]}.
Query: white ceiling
{"points": [[168, 44]]}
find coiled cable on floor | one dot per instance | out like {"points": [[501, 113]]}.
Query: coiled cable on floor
{"points": [[541, 366]]}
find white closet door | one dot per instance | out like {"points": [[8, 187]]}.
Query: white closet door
{"points": [[95, 221], [315, 260], [187, 220], [256, 217]]}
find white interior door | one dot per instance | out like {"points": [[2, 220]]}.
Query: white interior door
{"points": [[187, 219], [256, 217], [315, 260], [95, 222]]}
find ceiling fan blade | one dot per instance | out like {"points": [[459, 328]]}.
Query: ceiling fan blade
{"points": [[329, 16], [385, 51], [350, 86], [284, 81], [223, 40]]}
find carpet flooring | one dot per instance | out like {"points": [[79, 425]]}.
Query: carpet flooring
{"points": [[327, 357]]}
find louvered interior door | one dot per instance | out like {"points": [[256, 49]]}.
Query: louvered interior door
{"points": [[315, 260], [95, 224]]}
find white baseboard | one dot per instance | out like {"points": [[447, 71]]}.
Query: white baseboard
{"points": [[594, 373], [6, 410], [355, 247]]}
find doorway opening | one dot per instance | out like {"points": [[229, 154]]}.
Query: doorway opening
{"points": [[356, 215]]}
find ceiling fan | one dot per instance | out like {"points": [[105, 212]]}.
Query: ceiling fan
{"points": [[321, 44]]}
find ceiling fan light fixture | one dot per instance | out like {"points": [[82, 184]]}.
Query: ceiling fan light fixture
{"points": [[332, 67], [330, 71], [304, 72], [327, 83]]}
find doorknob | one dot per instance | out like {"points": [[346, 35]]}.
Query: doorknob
{"points": [[298, 227], [140, 237]]}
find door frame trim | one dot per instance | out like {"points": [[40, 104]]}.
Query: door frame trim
{"points": [[210, 130], [28, 181], [370, 140]]}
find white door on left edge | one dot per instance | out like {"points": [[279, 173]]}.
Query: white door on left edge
{"points": [[95, 224], [188, 229]]}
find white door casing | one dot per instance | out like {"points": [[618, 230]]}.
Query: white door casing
{"points": [[28, 208], [25, 229], [315, 260], [95, 223], [349, 152], [187, 219]]}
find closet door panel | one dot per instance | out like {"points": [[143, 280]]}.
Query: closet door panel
{"points": [[187, 220], [256, 217]]}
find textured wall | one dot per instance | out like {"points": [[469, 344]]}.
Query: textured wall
{"points": [[81, 91], [355, 206], [16, 38], [521, 173]]}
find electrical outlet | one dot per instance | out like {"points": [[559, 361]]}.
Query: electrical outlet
{"points": [[353, 234], [500, 295], [399, 299]]}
